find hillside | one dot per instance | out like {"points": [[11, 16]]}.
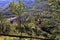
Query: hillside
{"points": [[39, 21]]}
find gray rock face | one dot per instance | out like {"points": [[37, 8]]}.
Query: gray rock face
{"points": [[39, 7], [40, 4]]}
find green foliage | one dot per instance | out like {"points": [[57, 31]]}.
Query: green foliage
{"points": [[54, 10], [49, 27], [17, 8], [2, 18]]}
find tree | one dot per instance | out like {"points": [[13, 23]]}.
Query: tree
{"points": [[4, 26], [18, 9], [53, 23], [2, 18]]}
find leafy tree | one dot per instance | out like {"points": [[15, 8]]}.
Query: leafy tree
{"points": [[52, 23], [18, 9], [2, 18], [4, 26]]}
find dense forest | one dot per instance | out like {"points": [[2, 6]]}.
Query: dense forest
{"points": [[45, 24]]}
